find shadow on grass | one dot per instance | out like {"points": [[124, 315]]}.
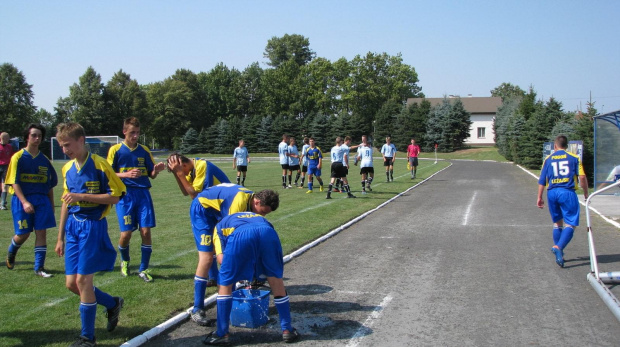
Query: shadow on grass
{"points": [[64, 337]]}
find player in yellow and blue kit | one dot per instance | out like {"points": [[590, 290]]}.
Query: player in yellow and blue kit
{"points": [[315, 162], [560, 173], [134, 165], [91, 187], [31, 179], [248, 246], [209, 207]]}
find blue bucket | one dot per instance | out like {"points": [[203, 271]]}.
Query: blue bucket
{"points": [[250, 308]]}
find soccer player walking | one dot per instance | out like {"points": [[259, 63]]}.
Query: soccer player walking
{"points": [[364, 157], [31, 178], [134, 165], [413, 151], [388, 151], [560, 173], [91, 188], [241, 159]]}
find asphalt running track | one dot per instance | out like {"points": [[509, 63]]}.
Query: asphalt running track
{"points": [[461, 260]]}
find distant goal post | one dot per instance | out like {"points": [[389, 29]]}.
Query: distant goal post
{"points": [[99, 145]]}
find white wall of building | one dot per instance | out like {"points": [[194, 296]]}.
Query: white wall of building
{"points": [[481, 130]]}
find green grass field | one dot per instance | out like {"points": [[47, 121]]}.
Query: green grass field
{"points": [[42, 312]]}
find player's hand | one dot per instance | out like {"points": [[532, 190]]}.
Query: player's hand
{"points": [[159, 167], [134, 173], [60, 248], [540, 203], [28, 208], [174, 163], [70, 198]]}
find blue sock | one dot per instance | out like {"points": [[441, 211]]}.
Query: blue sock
{"points": [[146, 256], [200, 287], [214, 272], [39, 257], [567, 235], [224, 306], [310, 185], [557, 232], [14, 247], [104, 299], [124, 253], [88, 313], [284, 312]]}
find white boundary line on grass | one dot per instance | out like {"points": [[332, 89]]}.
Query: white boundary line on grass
{"points": [[608, 220], [155, 331]]}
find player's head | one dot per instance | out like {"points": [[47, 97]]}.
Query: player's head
{"points": [[284, 137], [388, 139], [4, 138], [131, 130], [241, 143], [347, 139], [71, 138], [561, 142], [306, 140], [364, 139], [311, 142], [265, 201], [412, 141], [291, 140], [34, 133], [186, 163], [338, 140]]}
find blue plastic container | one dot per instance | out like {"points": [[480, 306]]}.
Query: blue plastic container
{"points": [[250, 308]]}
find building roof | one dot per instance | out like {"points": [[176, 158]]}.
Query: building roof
{"points": [[475, 105]]}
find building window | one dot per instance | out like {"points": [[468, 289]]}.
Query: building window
{"points": [[482, 133]]}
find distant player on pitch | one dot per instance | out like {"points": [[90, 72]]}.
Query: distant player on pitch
{"points": [[304, 161], [413, 150], [388, 151], [134, 165], [340, 161], [293, 162], [364, 157], [315, 163], [241, 159]]}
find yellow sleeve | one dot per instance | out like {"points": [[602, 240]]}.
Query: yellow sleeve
{"points": [[201, 172], [112, 153], [11, 172], [217, 243], [240, 203]]}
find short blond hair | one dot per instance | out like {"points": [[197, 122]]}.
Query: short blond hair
{"points": [[5, 138], [70, 130]]}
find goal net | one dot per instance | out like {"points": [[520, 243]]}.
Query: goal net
{"points": [[96, 144]]}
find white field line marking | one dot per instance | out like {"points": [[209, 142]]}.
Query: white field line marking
{"points": [[608, 220], [468, 210], [374, 315]]}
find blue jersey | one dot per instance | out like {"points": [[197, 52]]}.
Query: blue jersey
{"points": [[313, 155], [241, 156], [388, 150], [293, 151], [561, 170], [34, 175], [205, 174], [338, 154], [96, 176], [230, 223], [123, 159], [282, 151], [304, 153], [225, 199]]}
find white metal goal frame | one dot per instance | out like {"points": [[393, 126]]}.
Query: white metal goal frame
{"points": [[96, 144]]}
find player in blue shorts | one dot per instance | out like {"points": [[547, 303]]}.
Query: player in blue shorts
{"points": [[560, 173], [134, 165], [248, 246], [31, 179], [209, 207], [91, 188], [241, 159], [315, 162]]}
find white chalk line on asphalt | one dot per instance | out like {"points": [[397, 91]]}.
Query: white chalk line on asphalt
{"points": [[608, 220], [155, 331], [374, 315], [468, 210]]}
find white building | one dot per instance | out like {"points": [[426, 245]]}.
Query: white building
{"points": [[482, 110]]}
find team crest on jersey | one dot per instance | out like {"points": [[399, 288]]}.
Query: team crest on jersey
{"points": [[93, 187]]}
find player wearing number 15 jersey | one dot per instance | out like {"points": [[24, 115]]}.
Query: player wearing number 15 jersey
{"points": [[559, 174]]}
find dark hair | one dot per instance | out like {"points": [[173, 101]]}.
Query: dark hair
{"points": [[131, 121], [269, 198], [34, 126], [561, 141], [183, 158]]}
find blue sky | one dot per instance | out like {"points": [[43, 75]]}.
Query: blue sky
{"points": [[564, 49]]}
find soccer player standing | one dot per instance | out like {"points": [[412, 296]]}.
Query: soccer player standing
{"points": [[91, 188], [293, 162], [6, 152], [283, 154], [388, 151], [134, 165], [412, 154], [31, 178], [304, 161], [340, 161], [241, 159], [364, 156], [248, 246], [560, 173], [315, 162]]}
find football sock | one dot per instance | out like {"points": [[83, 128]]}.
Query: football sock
{"points": [[347, 188], [284, 312], [14, 247], [557, 232], [3, 198], [297, 178], [238, 179], [284, 180], [224, 306], [88, 313], [104, 299], [392, 174], [387, 175], [310, 185], [567, 235], [39, 257], [370, 180], [124, 253], [200, 287], [303, 178], [363, 185], [146, 256], [329, 189], [290, 178], [243, 181]]}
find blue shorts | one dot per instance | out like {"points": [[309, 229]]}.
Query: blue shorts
{"points": [[88, 248], [135, 209], [42, 218], [314, 171], [251, 252], [563, 204], [203, 222]]}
